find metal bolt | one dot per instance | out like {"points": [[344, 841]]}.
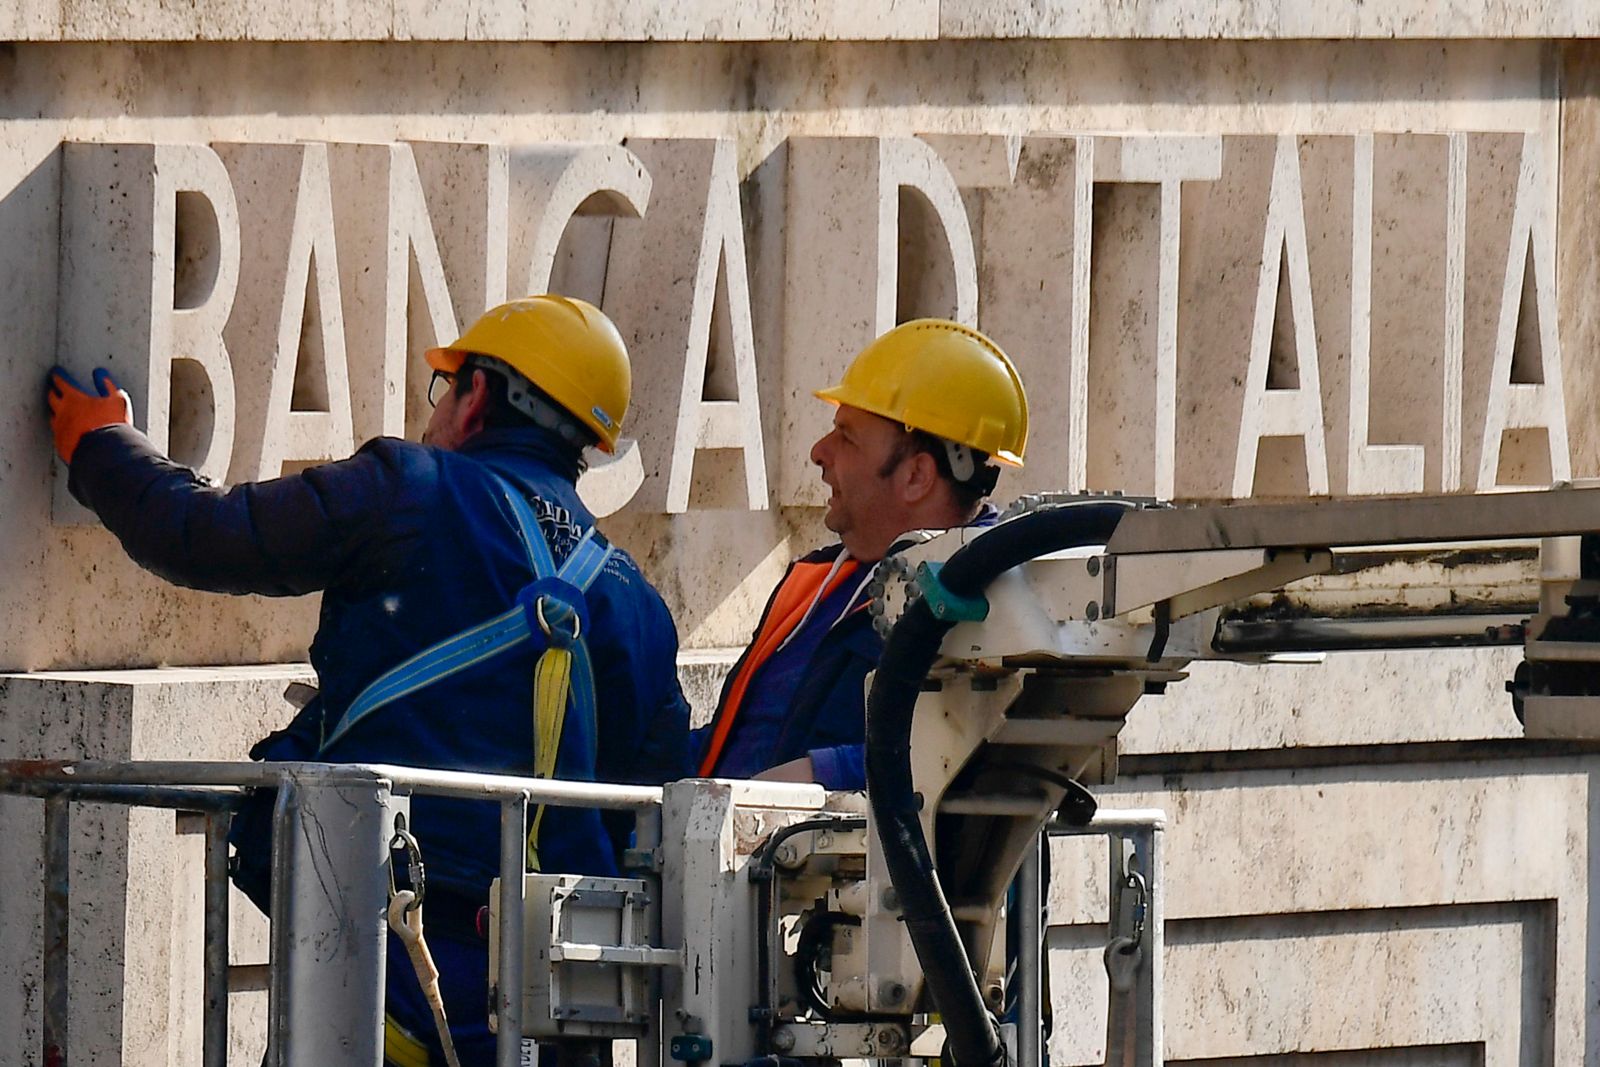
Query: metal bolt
{"points": [[825, 839], [783, 1040], [788, 855], [891, 1040], [1094, 566], [1092, 611], [891, 992], [891, 899]]}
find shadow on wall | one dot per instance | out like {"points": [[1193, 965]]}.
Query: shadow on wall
{"points": [[29, 218], [493, 79]]}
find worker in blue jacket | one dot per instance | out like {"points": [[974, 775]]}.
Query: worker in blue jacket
{"points": [[922, 417], [413, 545]]}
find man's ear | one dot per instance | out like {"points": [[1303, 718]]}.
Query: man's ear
{"points": [[919, 477], [474, 406]]}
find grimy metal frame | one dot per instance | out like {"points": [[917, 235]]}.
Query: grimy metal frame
{"points": [[1133, 1028], [331, 828]]}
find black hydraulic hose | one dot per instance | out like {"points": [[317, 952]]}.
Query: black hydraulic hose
{"points": [[972, 1037]]}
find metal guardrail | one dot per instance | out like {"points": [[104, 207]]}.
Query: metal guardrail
{"points": [[329, 892], [331, 827], [1136, 942]]}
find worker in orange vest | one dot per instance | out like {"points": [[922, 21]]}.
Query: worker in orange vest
{"points": [[924, 418]]}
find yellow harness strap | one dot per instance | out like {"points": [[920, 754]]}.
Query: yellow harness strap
{"points": [[400, 1048], [552, 682]]}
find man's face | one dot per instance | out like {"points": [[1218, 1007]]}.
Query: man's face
{"points": [[450, 423], [853, 457]]}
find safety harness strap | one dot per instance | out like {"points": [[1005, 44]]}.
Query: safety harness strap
{"points": [[563, 679], [450, 656], [551, 610]]}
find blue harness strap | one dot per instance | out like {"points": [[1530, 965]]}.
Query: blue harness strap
{"points": [[550, 610]]}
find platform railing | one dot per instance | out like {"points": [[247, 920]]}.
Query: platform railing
{"points": [[332, 824], [1134, 946]]}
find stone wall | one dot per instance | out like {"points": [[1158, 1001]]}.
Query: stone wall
{"points": [[1161, 210], [783, 109], [137, 874], [1427, 912]]}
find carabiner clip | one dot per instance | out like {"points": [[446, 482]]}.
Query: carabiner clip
{"points": [[403, 840], [1141, 902]]}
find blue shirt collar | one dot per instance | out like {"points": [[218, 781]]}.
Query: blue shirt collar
{"points": [[531, 442]]}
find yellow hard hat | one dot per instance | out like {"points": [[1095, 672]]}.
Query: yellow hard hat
{"points": [[945, 379], [565, 346]]}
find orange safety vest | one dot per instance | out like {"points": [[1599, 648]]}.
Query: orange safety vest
{"points": [[790, 603]]}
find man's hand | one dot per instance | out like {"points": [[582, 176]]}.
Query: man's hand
{"points": [[796, 770], [74, 411]]}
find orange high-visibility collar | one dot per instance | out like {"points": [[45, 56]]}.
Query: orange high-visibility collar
{"points": [[794, 598]]}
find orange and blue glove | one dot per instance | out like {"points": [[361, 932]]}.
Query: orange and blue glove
{"points": [[74, 410]]}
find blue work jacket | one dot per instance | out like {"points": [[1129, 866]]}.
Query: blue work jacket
{"points": [[412, 544], [826, 710], [824, 713]]}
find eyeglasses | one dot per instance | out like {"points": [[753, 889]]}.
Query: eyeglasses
{"points": [[444, 377]]}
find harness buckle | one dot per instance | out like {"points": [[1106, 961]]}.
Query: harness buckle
{"points": [[544, 624], [554, 608]]}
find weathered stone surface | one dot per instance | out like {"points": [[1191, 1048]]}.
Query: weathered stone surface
{"points": [[1512, 376], [1274, 19], [473, 20], [137, 873], [288, 330], [1577, 235], [1462, 986], [1304, 917], [1367, 698], [791, 20], [149, 271], [700, 326], [1034, 290], [1134, 285], [887, 209]]}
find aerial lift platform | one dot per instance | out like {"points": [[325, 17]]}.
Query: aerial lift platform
{"points": [[779, 923]]}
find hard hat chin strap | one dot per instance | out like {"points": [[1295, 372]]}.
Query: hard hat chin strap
{"points": [[967, 468], [532, 403], [963, 465]]}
